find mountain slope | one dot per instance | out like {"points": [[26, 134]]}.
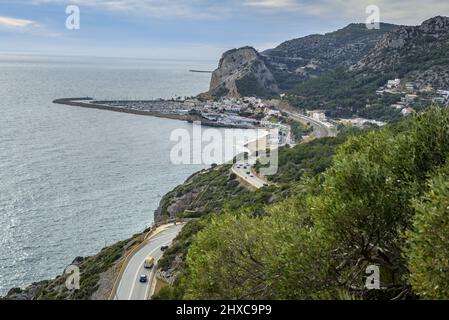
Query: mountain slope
{"points": [[297, 60], [244, 71], [413, 54], [412, 51]]}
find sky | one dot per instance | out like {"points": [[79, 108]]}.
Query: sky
{"points": [[186, 29]]}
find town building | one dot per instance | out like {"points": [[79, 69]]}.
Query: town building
{"points": [[407, 111], [391, 84]]}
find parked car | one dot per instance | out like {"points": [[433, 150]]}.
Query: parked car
{"points": [[163, 248]]}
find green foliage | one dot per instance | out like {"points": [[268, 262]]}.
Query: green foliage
{"points": [[209, 190], [180, 244], [229, 260], [299, 130], [428, 241], [345, 93], [308, 159], [90, 270], [317, 244], [365, 204]]}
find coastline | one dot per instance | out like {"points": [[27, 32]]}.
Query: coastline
{"points": [[85, 103], [33, 290]]}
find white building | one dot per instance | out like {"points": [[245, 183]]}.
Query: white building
{"points": [[361, 122], [393, 83], [439, 100], [410, 98], [317, 115], [410, 86], [444, 93], [407, 111], [273, 112]]}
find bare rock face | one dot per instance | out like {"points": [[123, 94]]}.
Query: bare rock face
{"points": [[408, 43], [242, 72]]}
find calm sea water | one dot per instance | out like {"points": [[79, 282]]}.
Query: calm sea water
{"points": [[75, 179]]}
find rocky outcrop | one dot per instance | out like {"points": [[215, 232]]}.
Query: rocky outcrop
{"points": [[409, 47], [242, 72], [322, 52], [245, 72]]}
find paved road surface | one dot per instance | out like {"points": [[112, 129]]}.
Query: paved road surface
{"points": [[129, 287], [247, 175], [320, 129]]}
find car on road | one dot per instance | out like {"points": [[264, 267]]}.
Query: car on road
{"points": [[163, 248], [247, 172], [149, 262], [251, 176], [143, 278]]}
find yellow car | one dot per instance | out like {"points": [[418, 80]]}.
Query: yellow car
{"points": [[149, 262]]}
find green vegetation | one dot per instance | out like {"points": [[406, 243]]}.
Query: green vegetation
{"points": [[428, 251], [299, 130], [217, 190], [203, 193], [249, 86], [344, 94], [181, 243], [308, 159], [91, 269], [375, 205]]}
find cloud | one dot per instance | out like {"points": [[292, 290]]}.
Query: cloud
{"points": [[395, 11], [153, 8], [271, 4], [23, 26], [398, 11], [15, 23]]}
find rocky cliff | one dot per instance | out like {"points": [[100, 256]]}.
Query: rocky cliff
{"points": [[242, 72], [300, 59], [406, 44], [245, 72], [416, 54]]}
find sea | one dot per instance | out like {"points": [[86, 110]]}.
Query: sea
{"points": [[74, 180]]}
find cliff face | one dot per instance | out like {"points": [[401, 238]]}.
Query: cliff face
{"points": [[299, 59], [417, 54], [414, 53], [242, 72], [406, 44], [245, 72]]}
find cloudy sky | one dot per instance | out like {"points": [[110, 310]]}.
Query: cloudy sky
{"points": [[190, 29]]}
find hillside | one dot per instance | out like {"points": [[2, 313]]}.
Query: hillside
{"points": [[299, 59], [382, 202], [244, 71], [342, 71], [416, 55]]}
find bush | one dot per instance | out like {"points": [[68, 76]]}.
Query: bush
{"points": [[428, 250]]}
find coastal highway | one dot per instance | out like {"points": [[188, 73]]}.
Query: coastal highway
{"points": [[244, 171], [129, 287], [320, 129]]}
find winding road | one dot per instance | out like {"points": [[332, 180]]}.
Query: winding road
{"points": [[129, 287], [245, 171], [321, 130]]}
